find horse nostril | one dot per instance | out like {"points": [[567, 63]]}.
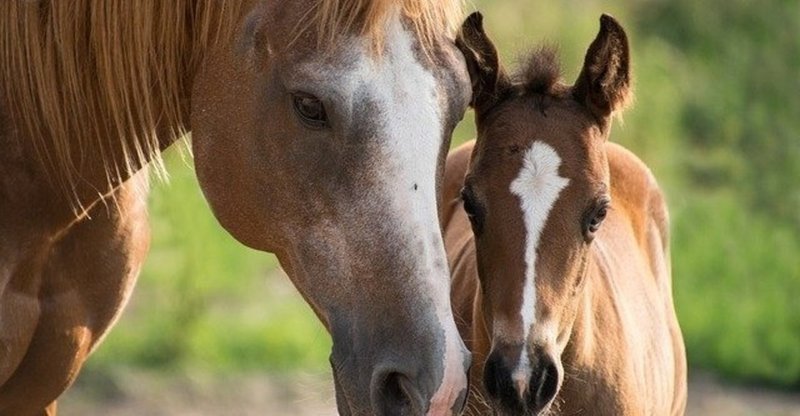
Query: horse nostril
{"points": [[396, 395], [547, 384], [393, 392]]}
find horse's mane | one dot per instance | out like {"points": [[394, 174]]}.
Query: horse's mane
{"points": [[85, 77], [89, 75], [430, 19]]}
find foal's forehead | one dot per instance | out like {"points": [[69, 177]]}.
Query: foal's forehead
{"points": [[520, 121], [559, 123]]}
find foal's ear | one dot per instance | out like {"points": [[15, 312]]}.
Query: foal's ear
{"points": [[488, 78], [604, 84]]}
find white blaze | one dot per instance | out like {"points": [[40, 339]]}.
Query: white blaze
{"points": [[407, 92], [404, 94], [537, 185]]}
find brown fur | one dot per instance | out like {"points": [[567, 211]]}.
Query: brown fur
{"points": [[67, 290], [604, 310]]}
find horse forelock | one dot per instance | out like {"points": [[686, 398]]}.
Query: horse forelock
{"points": [[86, 79], [332, 19]]}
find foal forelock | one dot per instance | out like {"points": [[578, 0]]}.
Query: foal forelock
{"points": [[538, 186]]}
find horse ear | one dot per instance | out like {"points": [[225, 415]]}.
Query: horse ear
{"points": [[483, 63], [604, 84]]}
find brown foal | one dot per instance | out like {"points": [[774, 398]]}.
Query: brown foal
{"points": [[560, 251]]}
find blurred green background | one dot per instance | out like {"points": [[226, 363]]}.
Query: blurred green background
{"points": [[717, 118]]}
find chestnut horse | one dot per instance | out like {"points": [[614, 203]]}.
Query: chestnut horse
{"points": [[560, 257], [319, 130]]}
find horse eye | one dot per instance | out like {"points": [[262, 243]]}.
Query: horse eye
{"points": [[599, 216], [595, 219], [310, 110]]}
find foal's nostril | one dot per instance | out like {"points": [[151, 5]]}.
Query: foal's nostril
{"points": [[396, 395], [495, 375], [547, 384], [517, 395], [499, 384]]}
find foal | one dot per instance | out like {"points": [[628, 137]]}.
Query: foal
{"points": [[561, 274]]}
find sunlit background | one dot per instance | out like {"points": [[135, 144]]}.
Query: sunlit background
{"points": [[716, 117]]}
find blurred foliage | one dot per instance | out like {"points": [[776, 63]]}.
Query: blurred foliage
{"points": [[735, 279], [736, 217], [717, 119], [204, 301], [739, 110]]}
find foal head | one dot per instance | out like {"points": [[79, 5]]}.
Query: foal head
{"points": [[536, 192], [319, 134]]}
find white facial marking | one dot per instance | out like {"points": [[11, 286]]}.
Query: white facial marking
{"points": [[404, 92], [537, 185], [415, 130]]}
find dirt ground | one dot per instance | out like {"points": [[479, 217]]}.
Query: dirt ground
{"points": [[137, 394]]}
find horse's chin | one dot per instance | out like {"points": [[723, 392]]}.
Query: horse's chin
{"points": [[343, 405]]}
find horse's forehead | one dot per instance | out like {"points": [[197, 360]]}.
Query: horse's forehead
{"points": [[353, 66]]}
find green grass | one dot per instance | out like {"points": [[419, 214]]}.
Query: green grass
{"points": [[736, 286]]}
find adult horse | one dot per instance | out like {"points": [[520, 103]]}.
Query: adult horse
{"points": [[561, 275], [318, 129]]}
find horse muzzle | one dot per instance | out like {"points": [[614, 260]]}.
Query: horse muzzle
{"points": [[411, 374]]}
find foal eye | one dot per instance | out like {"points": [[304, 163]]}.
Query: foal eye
{"points": [[310, 110], [471, 208]]}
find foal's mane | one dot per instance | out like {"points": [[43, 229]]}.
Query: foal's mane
{"points": [[83, 77], [430, 19], [540, 73]]}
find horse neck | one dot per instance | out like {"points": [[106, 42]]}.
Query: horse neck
{"points": [[91, 180], [92, 101]]}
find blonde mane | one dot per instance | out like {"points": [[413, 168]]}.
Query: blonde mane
{"points": [[84, 77], [88, 79], [430, 19]]}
